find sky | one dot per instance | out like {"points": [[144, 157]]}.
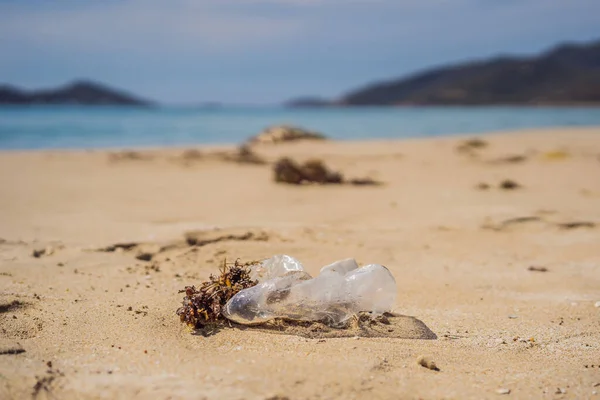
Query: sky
{"points": [[268, 51]]}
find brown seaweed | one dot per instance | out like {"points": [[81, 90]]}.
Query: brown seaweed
{"points": [[204, 305]]}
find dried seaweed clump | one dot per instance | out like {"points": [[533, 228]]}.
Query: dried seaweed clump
{"points": [[313, 171], [204, 305], [128, 155], [471, 144], [244, 155]]}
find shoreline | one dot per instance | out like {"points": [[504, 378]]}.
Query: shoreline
{"points": [[230, 146]]}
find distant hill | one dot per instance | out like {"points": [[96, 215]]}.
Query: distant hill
{"points": [[567, 74], [308, 102], [79, 92]]}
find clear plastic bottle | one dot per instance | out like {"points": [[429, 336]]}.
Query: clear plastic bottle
{"points": [[285, 290]]}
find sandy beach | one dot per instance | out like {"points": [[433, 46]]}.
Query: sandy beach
{"points": [[507, 279]]}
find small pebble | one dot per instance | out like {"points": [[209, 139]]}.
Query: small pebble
{"points": [[427, 363], [37, 253], [513, 316], [597, 304], [503, 391], [560, 391]]}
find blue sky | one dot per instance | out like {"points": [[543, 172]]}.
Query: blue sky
{"points": [[267, 51]]}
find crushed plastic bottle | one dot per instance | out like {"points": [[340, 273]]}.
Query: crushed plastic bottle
{"points": [[286, 290]]}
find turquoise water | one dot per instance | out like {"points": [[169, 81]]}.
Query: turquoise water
{"points": [[100, 127]]}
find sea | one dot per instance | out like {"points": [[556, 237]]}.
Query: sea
{"points": [[81, 127]]}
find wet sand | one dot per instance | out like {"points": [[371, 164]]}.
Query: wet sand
{"points": [[506, 277]]}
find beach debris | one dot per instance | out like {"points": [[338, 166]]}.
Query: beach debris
{"points": [[555, 155], [537, 269], [46, 251], [381, 365], [276, 295], [190, 156], [470, 144], [597, 304], [156, 252], [560, 391], [510, 222], [11, 306], [469, 147], [286, 170], [129, 155], [427, 362], [511, 159], [503, 391], [509, 184], [8, 347], [37, 253], [245, 155], [119, 247], [576, 224], [277, 397], [506, 184], [286, 291], [205, 304], [312, 171], [284, 133], [364, 182], [45, 383], [242, 155], [144, 256], [203, 237]]}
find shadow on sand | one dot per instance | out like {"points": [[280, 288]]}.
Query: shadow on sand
{"points": [[393, 326]]}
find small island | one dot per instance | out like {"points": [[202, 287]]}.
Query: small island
{"points": [[75, 93]]}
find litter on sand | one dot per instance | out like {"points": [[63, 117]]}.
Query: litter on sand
{"points": [[280, 288], [285, 290]]}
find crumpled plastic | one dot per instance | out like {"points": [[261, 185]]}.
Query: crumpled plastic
{"points": [[285, 290]]}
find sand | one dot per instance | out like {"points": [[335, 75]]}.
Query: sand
{"points": [[461, 255]]}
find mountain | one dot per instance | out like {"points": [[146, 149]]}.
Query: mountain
{"points": [[569, 73], [78, 92], [566, 74]]}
